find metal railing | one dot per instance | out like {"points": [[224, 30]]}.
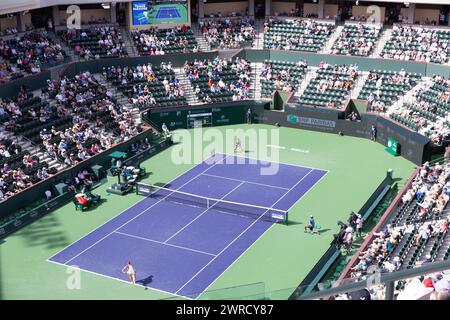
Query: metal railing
{"points": [[386, 279]]}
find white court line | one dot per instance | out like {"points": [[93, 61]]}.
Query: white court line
{"points": [[234, 240], [258, 238], [201, 214], [249, 182], [262, 160], [300, 150], [118, 279], [134, 204], [163, 243], [275, 146], [142, 212]]}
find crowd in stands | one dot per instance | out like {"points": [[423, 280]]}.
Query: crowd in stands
{"points": [[305, 34], [156, 41], [19, 169], [416, 233], [91, 103], [9, 72], [383, 87], [220, 79], [96, 42], [428, 110], [281, 75], [28, 53], [12, 162], [433, 286], [417, 44], [331, 85], [8, 31], [357, 40], [148, 85], [228, 33]]}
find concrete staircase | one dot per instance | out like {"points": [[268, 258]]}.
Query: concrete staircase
{"points": [[334, 36], [310, 74], [258, 42], [189, 93], [128, 42], [69, 51], [121, 99], [256, 66], [424, 84], [33, 149], [359, 84], [203, 45], [384, 37]]}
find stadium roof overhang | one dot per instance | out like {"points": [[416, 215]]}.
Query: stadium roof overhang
{"points": [[13, 6], [438, 2]]}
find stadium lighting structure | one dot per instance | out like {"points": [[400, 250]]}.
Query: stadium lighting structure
{"points": [[357, 2], [406, 4], [106, 6]]}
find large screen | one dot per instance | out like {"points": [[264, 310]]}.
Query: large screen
{"points": [[159, 12]]}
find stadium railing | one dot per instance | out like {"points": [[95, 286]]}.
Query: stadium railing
{"points": [[385, 279], [33, 193], [333, 253], [379, 225], [251, 291]]}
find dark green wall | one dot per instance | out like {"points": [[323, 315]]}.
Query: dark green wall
{"points": [[10, 89], [38, 81], [96, 66], [364, 63], [35, 193]]}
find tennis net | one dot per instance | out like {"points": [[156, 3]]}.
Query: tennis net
{"points": [[225, 206]]}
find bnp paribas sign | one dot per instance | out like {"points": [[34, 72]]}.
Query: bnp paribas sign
{"points": [[292, 118]]}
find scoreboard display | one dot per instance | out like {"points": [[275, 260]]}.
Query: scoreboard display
{"points": [[195, 118], [393, 147], [198, 120]]}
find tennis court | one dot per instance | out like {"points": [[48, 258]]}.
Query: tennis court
{"points": [[178, 244], [167, 12]]}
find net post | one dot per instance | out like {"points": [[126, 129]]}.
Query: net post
{"points": [[287, 218]]}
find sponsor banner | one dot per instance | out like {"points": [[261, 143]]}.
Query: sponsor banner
{"points": [[306, 121], [35, 213]]}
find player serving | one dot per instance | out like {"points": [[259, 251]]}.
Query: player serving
{"points": [[130, 271], [237, 145]]}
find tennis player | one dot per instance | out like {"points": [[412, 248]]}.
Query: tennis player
{"points": [[311, 225], [237, 145], [130, 271]]}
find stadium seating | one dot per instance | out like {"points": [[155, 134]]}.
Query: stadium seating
{"points": [[28, 54], [94, 123], [304, 35], [228, 33], [220, 80], [281, 75], [330, 87], [95, 42], [142, 83], [156, 41], [428, 111], [357, 40], [417, 44], [418, 230], [384, 87]]}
